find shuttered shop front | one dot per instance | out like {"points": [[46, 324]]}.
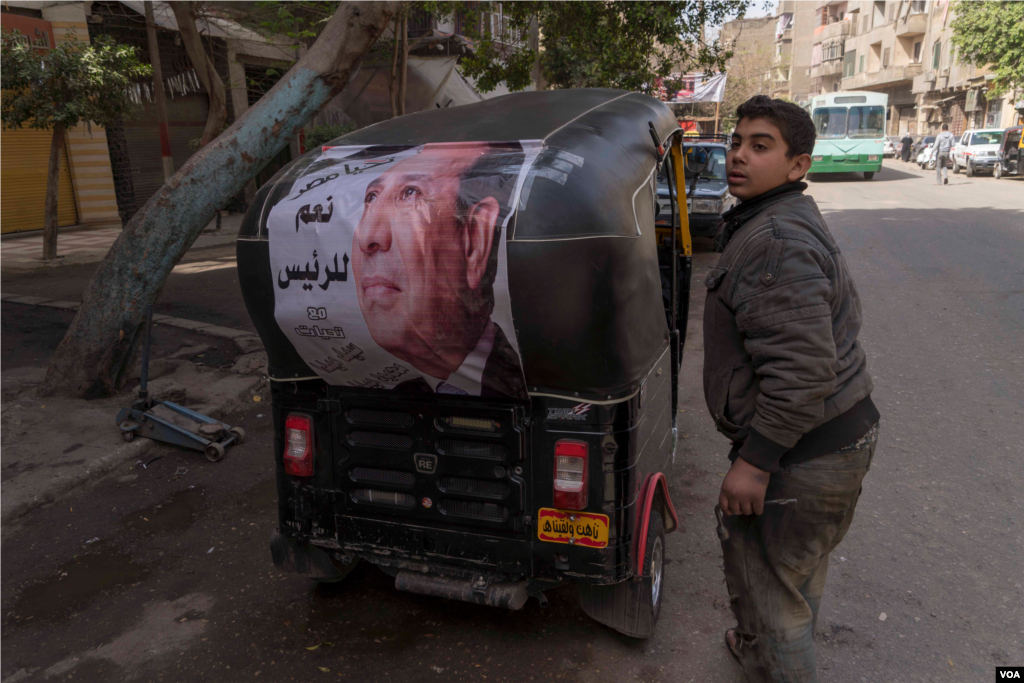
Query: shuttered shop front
{"points": [[24, 158], [186, 116]]}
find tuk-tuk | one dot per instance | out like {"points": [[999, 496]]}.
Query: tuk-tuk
{"points": [[1009, 161], [474, 335]]}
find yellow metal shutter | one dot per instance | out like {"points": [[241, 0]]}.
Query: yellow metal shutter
{"points": [[24, 155]]}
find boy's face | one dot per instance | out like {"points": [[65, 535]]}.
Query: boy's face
{"points": [[757, 161]]}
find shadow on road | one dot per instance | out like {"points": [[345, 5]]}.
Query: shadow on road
{"points": [[887, 173]]}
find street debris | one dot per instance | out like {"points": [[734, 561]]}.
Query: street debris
{"points": [[210, 550], [882, 616]]}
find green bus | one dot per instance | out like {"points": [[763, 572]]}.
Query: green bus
{"points": [[851, 132]]}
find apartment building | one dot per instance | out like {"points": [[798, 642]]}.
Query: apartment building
{"points": [[901, 48], [794, 39], [752, 42]]}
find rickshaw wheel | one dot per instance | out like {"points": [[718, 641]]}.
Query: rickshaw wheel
{"points": [[654, 562], [238, 433]]}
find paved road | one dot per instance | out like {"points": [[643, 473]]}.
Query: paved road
{"points": [[178, 584]]}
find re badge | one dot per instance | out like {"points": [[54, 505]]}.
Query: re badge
{"points": [[426, 463]]}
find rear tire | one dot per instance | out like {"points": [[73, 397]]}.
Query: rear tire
{"points": [[345, 570], [997, 172], [956, 167], [238, 433], [868, 175], [654, 563]]}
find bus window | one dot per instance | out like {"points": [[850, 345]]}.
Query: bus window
{"points": [[867, 122], [830, 122]]}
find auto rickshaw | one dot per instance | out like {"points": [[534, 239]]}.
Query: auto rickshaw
{"points": [[1009, 162], [481, 485]]}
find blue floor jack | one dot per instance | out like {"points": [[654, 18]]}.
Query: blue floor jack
{"points": [[171, 423]]}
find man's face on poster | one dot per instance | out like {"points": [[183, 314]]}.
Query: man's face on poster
{"points": [[420, 259]]}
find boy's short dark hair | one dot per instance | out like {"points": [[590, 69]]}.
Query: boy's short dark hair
{"points": [[945, 126], [792, 121]]}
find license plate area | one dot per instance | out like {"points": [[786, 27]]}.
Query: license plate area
{"points": [[584, 529]]}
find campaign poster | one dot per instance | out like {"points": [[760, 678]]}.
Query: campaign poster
{"points": [[390, 269]]}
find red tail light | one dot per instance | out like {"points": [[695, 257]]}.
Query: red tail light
{"points": [[298, 445], [570, 475]]}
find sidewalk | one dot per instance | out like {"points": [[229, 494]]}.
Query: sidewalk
{"points": [[24, 252], [51, 446]]}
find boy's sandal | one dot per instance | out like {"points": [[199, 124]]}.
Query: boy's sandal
{"points": [[729, 644]]}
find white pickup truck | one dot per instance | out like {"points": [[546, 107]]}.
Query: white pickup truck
{"points": [[977, 150]]}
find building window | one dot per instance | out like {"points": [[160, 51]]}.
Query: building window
{"points": [[917, 52], [864, 24], [936, 54], [885, 58], [849, 63], [995, 110], [918, 6], [861, 69]]}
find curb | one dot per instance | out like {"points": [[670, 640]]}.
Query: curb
{"points": [[247, 342], [96, 468]]}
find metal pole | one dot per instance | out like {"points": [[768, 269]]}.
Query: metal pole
{"points": [[144, 374], [717, 105], [158, 93]]}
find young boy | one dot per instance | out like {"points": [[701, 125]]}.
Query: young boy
{"points": [[786, 381]]}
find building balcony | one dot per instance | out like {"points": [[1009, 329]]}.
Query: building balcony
{"points": [[913, 25], [830, 68], [894, 75], [924, 82], [836, 29]]}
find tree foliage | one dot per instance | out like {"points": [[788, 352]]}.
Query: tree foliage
{"points": [[605, 43], [630, 45], [992, 33], [71, 83]]}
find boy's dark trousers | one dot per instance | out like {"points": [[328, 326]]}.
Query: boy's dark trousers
{"points": [[776, 562]]}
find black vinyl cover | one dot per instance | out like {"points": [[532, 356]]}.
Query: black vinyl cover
{"points": [[582, 256]]}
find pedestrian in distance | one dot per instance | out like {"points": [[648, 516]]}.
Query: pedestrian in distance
{"points": [[943, 148], [908, 144], [785, 379]]}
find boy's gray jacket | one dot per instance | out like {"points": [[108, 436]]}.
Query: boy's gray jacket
{"points": [[781, 320]]}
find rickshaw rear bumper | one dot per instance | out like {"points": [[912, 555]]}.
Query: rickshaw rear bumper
{"points": [[292, 555]]}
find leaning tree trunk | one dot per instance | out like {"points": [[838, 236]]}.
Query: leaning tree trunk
{"points": [[52, 192], [404, 74], [205, 69], [392, 83], [96, 354]]}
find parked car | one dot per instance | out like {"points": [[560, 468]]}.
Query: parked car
{"points": [[890, 146], [977, 150], [707, 194], [919, 145]]}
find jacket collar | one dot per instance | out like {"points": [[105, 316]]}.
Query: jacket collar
{"points": [[734, 218]]}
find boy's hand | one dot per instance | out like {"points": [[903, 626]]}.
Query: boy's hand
{"points": [[743, 489]]}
